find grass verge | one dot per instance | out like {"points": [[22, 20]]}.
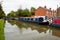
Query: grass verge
{"points": [[2, 29]]}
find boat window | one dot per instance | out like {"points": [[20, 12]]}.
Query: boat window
{"points": [[27, 18], [31, 18], [46, 17], [35, 19], [41, 19]]}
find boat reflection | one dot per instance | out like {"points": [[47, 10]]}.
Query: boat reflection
{"points": [[26, 27]]}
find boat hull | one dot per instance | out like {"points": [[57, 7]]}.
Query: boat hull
{"points": [[55, 25], [55, 22]]}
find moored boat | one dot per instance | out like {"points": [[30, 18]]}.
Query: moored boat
{"points": [[55, 23], [40, 19]]}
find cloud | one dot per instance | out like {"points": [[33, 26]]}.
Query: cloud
{"points": [[9, 5]]}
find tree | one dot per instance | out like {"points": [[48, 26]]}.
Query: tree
{"points": [[19, 12], [2, 14], [22, 13], [25, 13], [12, 14], [32, 11]]}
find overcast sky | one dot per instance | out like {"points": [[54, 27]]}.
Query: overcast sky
{"points": [[9, 5]]}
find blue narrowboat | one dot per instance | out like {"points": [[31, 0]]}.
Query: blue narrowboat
{"points": [[41, 19]]}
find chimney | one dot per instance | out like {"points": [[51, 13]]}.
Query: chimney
{"points": [[50, 9], [44, 6]]}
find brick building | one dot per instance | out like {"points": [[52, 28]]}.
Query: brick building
{"points": [[43, 11], [58, 12], [40, 12]]}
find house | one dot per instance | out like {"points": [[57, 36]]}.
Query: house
{"points": [[51, 13], [58, 12], [40, 12], [43, 11]]}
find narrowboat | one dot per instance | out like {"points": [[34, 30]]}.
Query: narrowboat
{"points": [[55, 22], [41, 19]]}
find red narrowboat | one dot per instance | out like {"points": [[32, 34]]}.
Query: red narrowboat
{"points": [[55, 22]]}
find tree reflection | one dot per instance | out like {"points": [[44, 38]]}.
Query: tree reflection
{"points": [[33, 26]]}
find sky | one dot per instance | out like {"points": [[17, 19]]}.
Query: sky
{"points": [[9, 5]]}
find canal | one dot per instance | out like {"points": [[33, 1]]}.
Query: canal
{"points": [[17, 30]]}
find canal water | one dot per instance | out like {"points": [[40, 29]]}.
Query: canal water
{"points": [[15, 30]]}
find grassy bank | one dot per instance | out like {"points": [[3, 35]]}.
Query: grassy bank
{"points": [[1, 29]]}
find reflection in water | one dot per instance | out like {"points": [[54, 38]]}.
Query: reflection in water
{"points": [[28, 31], [56, 31]]}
